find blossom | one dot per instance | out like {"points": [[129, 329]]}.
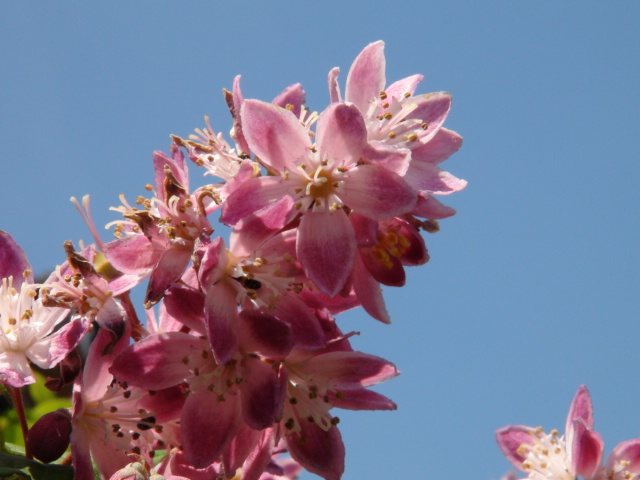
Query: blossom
{"points": [[30, 331], [322, 182], [578, 453]]}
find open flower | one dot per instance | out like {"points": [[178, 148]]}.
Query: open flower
{"points": [[578, 453]]}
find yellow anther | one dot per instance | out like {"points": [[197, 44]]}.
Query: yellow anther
{"points": [[383, 95], [424, 126], [554, 432], [413, 137], [388, 115], [148, 187], [289, 107], [392, 134], [407, 95], [385, 105]]}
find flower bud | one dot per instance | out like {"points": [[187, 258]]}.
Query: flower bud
{"points": [[48, 438]]}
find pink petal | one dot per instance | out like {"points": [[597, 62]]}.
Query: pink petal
{"points": [[169, 269], [274, 134], [260, 457], [235, 103], [240, 447], [176, 165], [350, 370], [432, 109], [186, 305], [82, 467], [429, 178], [361, 399], [13, 261], [305, 326], [587, 450], [392, 158], [253, 230], [318, 451], [252, 195], [369, 292], [334, 88], [443, 144], [262, 395], [208, 424], [406, 85], [581, 407], [430, 207], [510, 439], [293, 95], [628, 452], [391, 273], [48, 352], [377, 193], [15, 369], [213, 265], [133, 254], [326, 248], [262, 333], [341, 134], [221, 317], [156, 362], [366, 76]]}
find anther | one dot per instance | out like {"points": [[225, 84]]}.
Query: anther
{"points": [[392, 134], [383, 95]]}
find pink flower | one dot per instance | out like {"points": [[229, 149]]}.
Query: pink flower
{"points": [[28, 329], [579, 452], [322, 182]]}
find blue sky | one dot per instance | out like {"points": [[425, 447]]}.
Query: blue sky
{"points": [[533, 287]]}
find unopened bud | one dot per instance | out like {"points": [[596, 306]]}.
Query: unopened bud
{"points": [[48, 438]]}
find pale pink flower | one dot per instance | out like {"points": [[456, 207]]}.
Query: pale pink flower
{"points": [[29, 330], [579, 452]]}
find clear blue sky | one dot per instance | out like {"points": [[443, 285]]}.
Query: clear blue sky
{"points": [[533, 288]]}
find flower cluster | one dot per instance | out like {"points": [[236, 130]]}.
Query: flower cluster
{"points": [[240, 358]]}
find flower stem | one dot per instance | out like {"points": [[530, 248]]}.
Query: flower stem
{"points": [[16, 395]]}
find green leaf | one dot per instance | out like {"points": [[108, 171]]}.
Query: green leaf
{"points": [[39, 471]]}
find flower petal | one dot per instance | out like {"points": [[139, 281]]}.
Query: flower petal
{"points": [[13, 261], [274, 134], [350, 370], [334, 88], [377, 193], [510, 438], [341, 134], [443, 144], [326, 248], [293, 95], [250, 196], [586, 450], [430, 178], [320, 452], [366, 76], [221, 317]]}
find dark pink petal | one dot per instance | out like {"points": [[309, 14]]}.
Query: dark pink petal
{"points": [[253, 230], [318, 451], [581, 407], [377, 193], [390, 273], [240, 447], [186, 305], [13, 261], [428, 177], [252, 195], [260, 457], [366, 76], [326, 248], [510, 439], [361, 399], [627, 452], [398, 89], [392, 158], [166, 404], [208, 424], [432, 109], [416, 253], [334, 88], [274, 134], [587, 450], [169, 269], [443, 144], [221, 317], [156, 362], [366, 230], [369, 292], [49, 437], [262, 394], [341, 134], [304, 324], [430, 207], [336, 304], [293, 95], [350, 370], [262, 333]]}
